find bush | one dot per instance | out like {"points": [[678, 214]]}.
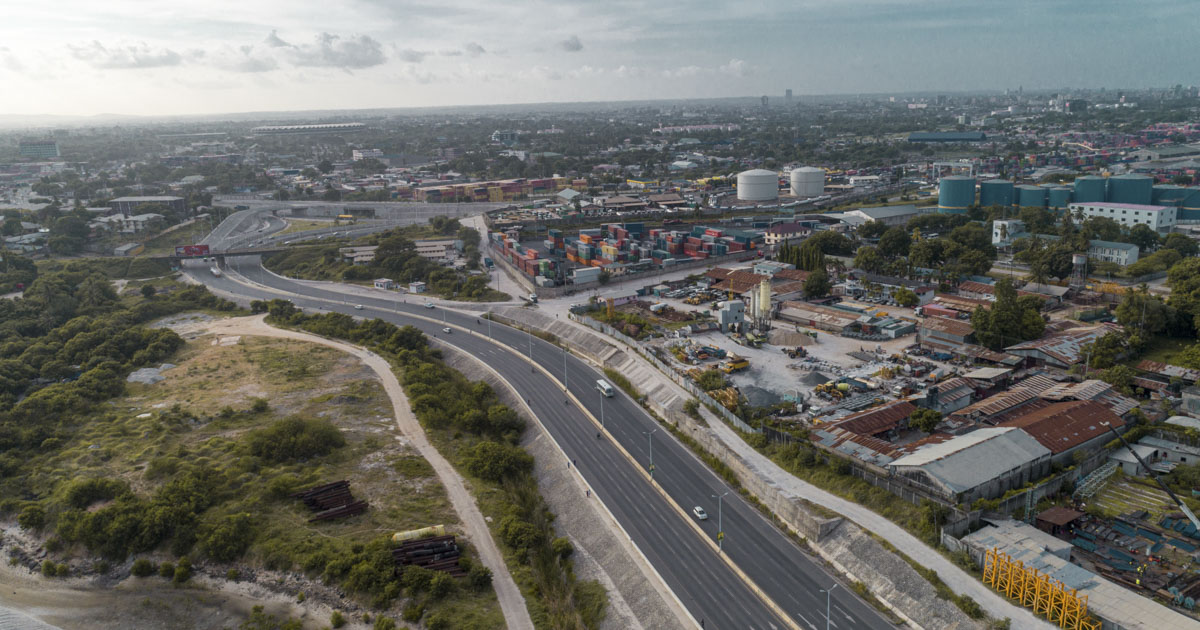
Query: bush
{"points": [[384, 623], [562, 547], [479, 577], [183, 571], [32, 517], [441, 585], [166, 569], [259, 405], [233, 575], [337, 620], [416, 579], [48, 568], [294, 439], [229, 538], [142, 568], [438, 621], [62, 570], [413, 612], [84, 492], [493, 461]]}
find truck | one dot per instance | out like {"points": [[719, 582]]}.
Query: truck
{"points": [[216, 272], [734, 364], [531, 298]]}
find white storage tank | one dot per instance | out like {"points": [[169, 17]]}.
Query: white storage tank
{"points": [[808, 182], [758, 185]]}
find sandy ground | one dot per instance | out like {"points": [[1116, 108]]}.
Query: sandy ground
{"points": [[511, 602]]}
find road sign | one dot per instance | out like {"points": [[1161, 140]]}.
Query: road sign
{"points": [[192, 250]]}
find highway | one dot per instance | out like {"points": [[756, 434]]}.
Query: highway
{"points": [[690, 566]]}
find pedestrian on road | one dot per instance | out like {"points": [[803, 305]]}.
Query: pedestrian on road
{"points": [[568, 464], [576, 462], [587, 493]]}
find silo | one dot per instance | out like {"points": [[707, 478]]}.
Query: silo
{"points": [[1137, 189], [758, 185], [1090, 189], [996, 192], [808, 182], [1168, 195], [956, 194], [1031, 196], [1059, 197]]}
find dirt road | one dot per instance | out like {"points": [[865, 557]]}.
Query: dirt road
{"points": [[516, 615]]}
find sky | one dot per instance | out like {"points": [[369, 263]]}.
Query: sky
{"points": [[137, 57]]}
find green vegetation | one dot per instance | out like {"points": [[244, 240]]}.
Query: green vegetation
{"points": [[113, 268], [16, 270], [1010, 320], [620, 380], [397, 259], [480, 436]]}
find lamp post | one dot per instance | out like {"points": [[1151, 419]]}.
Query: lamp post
{"points": [[601, 410], [828, 598], [720, 527], [564, 368], [650, 439]]}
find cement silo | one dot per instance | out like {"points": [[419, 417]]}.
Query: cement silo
{"points": [[956, 194], [1137, 189], [996, 192], [1090, 189], [808, 182], [758, 185], [1031, 196], [1059, 197]]}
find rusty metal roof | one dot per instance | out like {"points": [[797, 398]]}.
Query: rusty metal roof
{"points": [[1065, 425], [955, 327], [877, 419]]}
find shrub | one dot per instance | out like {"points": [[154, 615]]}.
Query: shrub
{"points": [[416, 579], [183, 571], [48, 568], [229, 538], [562, 547], [479, 577], [259, 405], [438, 621], [32, 517], [233, 575], [84, 492], [166, 569], [62, 570], [384, 623], [493, 461], [441, 585], [142, 568], [413, 612], [293, 439], [337, 620]]}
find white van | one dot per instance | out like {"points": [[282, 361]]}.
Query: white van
{"points": [[604, 388]]}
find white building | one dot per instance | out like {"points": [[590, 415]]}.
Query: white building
{"points": [[1157, 218], [366, 154], [889, 215], [1120, 253]]}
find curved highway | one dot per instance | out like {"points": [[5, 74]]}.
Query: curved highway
{"points": [[706, 585]]}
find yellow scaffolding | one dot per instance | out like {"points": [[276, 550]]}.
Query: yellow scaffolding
{"points": [[1037, 591]]}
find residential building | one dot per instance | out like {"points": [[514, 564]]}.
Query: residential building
{"points": [[1108, 251], [982, 464], [785, 233], [366, 154], [440, 250], [139, 222], [889, 215], [1157, 218], [358, 255], [129, 205]]}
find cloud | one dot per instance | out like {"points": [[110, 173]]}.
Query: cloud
{"points": [[474, 49], [410, 55], [737, 68], [9, 61], [126, 57], [243, 59], [450, 53], [571, 44], [331, 51], [274, 41], [683, 71]]}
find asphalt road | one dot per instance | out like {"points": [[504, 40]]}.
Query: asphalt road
{"points": [[706, 585]]}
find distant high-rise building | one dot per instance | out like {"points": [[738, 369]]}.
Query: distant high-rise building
{"points": [[39, 149], [788, 96], [764, 101]]}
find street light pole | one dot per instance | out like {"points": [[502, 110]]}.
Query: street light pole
{"points": [[564, 368], [650, 438], [828, 598], [720, 525], [601, 410]]}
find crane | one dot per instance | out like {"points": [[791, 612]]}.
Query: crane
{"points": [[1184, 508]]}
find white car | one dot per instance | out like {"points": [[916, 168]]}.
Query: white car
{"points": [[701, 515], [447, 330], [429, 305], [358, 307]]}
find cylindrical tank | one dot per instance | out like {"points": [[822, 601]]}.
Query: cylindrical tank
{"points": [[996, 192], [808, 182], [424, 532], [1168, 195], [1189, 207], [1078, 259], [1137, 189], [758, 185], [1059, 197], [955, 194], [1031, 196], [1090, 189]]}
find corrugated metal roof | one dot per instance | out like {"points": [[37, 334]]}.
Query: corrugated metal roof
{"points": [[1065, 425], [968, 461], [976, 287], [1164, 369], [946, 325], [878, 419], [1064, 348]]}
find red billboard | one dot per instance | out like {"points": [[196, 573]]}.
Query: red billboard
{"points": [[191, 250]]}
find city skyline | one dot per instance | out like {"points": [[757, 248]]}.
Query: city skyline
{"points": [[135, 58]]}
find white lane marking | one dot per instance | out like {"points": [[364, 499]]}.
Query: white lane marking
{"points": [[806, 621]]}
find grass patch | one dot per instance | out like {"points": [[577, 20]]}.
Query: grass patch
{"points": [[1163, 349], [304, 225], [620, 380]]}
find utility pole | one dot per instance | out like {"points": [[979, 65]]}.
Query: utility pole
{"points": [[720, 524], [828, 598], [564, 368]]}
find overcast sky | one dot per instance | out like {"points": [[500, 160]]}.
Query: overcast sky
{"points": [[82, 57]]}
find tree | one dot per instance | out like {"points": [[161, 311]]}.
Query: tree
{"points": [[1147, 239], [1037, 220], [494, 461], [832, 243], [872, 229], [868, 259], [817, 285], [973, 237], [894, 243], [325, 166], [926, 253], [1138, 309], [1178, 242], [811, 257], [925, 420], [905, 297], [1009, 320], [148, 291], [1104, 352]]}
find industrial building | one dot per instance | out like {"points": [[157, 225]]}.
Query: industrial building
{"points": [[985, 463], [807, 182], [275, 130], [1157, 218], [1062, 349], [758, 185], [129, 205], [38, 149], [1068, 426], [947, 136], [888, 215]]}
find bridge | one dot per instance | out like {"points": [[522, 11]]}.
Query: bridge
{"points": [[234, 253]]}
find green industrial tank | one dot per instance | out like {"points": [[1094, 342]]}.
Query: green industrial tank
{"points": [[1168, 195], [1137, 189], [956, 194], [1031, 196], [1189, 207], [996, 192], [1090, 189], [1059, 197]]}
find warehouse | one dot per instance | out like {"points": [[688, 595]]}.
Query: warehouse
{"points": [[1062, 349], [985, 464], [820, 317], [1157, 218], [947, 136], [889, 215], [942, 334], [1066, 427]]}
